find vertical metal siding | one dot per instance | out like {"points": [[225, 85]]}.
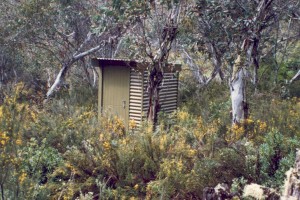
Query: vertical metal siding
{"points": [[168, 94], [135, 96], [145, 94]]}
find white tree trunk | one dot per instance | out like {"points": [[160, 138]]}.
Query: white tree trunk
{"points": [[57, 81], [62, 73], [237, 92], [295, 77]]}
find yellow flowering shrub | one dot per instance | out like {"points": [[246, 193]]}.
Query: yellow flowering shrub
{"points": [[132, 124], [16, 118], [62, 150], [253, 130], [114, 125]]}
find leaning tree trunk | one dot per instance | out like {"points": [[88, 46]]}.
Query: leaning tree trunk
{"points": [[66, 66], [296, 77]]}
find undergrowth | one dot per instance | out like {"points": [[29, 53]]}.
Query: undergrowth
{"points": [[62, 151]]}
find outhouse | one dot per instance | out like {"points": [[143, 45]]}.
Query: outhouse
{"points": [[123, 88]]}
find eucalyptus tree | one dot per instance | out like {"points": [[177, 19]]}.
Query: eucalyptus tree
{"points": [[234, 35], [155, 25], [92, 27], [10, 57], [60, 34]]}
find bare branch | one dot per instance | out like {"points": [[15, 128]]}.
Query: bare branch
{"points": [[197, 73], [61, 75], [296, 77], [216, 62], [58, 80], [118, 47], [90, 51], [87, 39], [95, 75]]}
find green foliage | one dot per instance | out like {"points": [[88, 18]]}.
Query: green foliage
{"points": [[277, 155], [62, 150], [212, 96], [238, 184], [38, 162]]}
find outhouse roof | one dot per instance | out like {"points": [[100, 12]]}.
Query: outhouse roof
{"points": [[138, 65]]}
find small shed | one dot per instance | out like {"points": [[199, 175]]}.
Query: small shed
{"points": [[123, 88]]}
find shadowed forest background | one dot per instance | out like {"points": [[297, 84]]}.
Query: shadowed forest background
{"points": [[238, 120]]}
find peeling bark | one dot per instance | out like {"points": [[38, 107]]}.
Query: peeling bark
{"points": [[155, 80], [291, 186], [166, 39], [237, 93]]}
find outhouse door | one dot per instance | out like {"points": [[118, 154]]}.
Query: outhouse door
{"points": [[116, 81]]}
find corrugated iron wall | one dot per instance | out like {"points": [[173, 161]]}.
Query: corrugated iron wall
{"points": [[168, 94], [135, 96], [113, 86], [145, 93]]}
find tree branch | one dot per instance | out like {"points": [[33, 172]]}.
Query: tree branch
{"points": [[197, 73], [295, 77], [62, 73]]}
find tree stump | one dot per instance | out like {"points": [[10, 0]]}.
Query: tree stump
{"points": [[292, 182]]}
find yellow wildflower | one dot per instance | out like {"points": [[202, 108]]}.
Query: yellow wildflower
{"points": [[136, 187], [249, 121], [1, 111], [262, 126], [132, 124], [18, 142], [106, 145], [199, 122], [179, 165], [3, 138], [237, 130], [162, 142], [22, 177], [182, 115], [192, 153], [101, 137], [33, 116]]}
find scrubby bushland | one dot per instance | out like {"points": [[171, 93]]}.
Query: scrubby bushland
{"points": [[60, 150]]}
